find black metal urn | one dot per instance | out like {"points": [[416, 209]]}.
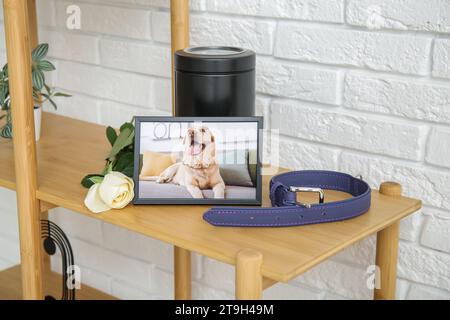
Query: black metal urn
{"points": [[214, 82]]}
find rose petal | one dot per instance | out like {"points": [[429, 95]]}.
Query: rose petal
{"points": [[93, 201], [122, 201], [116, 190], [116, 200], [108, 192], [115, 178]]}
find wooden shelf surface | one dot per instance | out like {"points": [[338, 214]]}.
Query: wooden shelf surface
{"points": [[11, 287], [70, 148]]}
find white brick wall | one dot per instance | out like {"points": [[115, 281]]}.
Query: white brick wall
{"points": [[408, 98], [291, 80], [430, 15], [315, 10], [372, 50], [361, 86], [439, 147]]}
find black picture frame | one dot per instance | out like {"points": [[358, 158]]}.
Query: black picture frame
{"points": [[207, 201]]}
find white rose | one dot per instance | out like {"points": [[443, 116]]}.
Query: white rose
{"points": [[93, 201], [115, 191]]}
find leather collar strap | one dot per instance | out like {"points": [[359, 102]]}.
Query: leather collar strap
{"points": [[286, 211]]}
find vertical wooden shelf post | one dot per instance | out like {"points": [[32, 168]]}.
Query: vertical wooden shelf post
{"points": [[249, 280], [179, 28], [34, 41], [33, 24], [182, 271], [17, 34], [387, 250]]}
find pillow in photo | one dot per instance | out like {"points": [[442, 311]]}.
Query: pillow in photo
{"points": [[236, 174], [153, 163]]}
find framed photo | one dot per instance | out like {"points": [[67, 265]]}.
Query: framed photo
{"points": [[198, 160]]}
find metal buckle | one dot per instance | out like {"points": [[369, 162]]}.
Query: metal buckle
{"points": [[307, 189]]}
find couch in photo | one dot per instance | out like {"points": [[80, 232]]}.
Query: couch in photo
{"points": [[237, 168]]}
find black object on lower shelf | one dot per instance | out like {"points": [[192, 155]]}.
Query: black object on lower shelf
{"points": [[55, 238]]}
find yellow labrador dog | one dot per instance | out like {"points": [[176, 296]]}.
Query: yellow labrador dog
{"points": [[198, 169]]}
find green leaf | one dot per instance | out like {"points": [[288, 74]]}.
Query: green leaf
{"points": [[4, 98], [130, 141], [108, 168], [48, 89], [45, 65], [61, 94], [36, 95], [96, 179], [125, 160], [53, 103], [129, 171], [6, 131], [111, 134], [5, 70], [39, 52], [3, 92], [121, 157], [91, 179], [38, 79], [124, 139], [126, 125]]}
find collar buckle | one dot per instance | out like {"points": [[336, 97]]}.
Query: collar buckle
{"points": [[308, 189]]}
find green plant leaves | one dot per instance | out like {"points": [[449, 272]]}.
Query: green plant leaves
{"points": [[5, 70], [121, 157], [126, 160], [108, 167], [129, 171], [50, 100], [45, 65], [91, 179], [61, 94], [38, 67], [126, 125], [36, 95], [38, 79], [125, 139], [111, 134], [4, 95], [39, 52], [6, 130]]}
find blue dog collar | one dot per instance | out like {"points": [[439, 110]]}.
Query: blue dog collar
{"points": [[286, 211]]}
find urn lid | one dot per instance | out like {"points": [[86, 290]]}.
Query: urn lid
{"points": [[214, 59]]}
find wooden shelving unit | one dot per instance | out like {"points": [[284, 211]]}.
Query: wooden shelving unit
{"points": [[48, 174], [69, 148], [21, 35]]}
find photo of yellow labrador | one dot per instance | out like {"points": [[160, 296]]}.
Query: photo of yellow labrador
{"points": [[204, 161], [198, 169]]}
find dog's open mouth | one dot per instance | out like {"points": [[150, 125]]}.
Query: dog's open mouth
{"points": [[196, 148]]}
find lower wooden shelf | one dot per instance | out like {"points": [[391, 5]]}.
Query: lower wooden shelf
{"points": [[11, 286]]}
